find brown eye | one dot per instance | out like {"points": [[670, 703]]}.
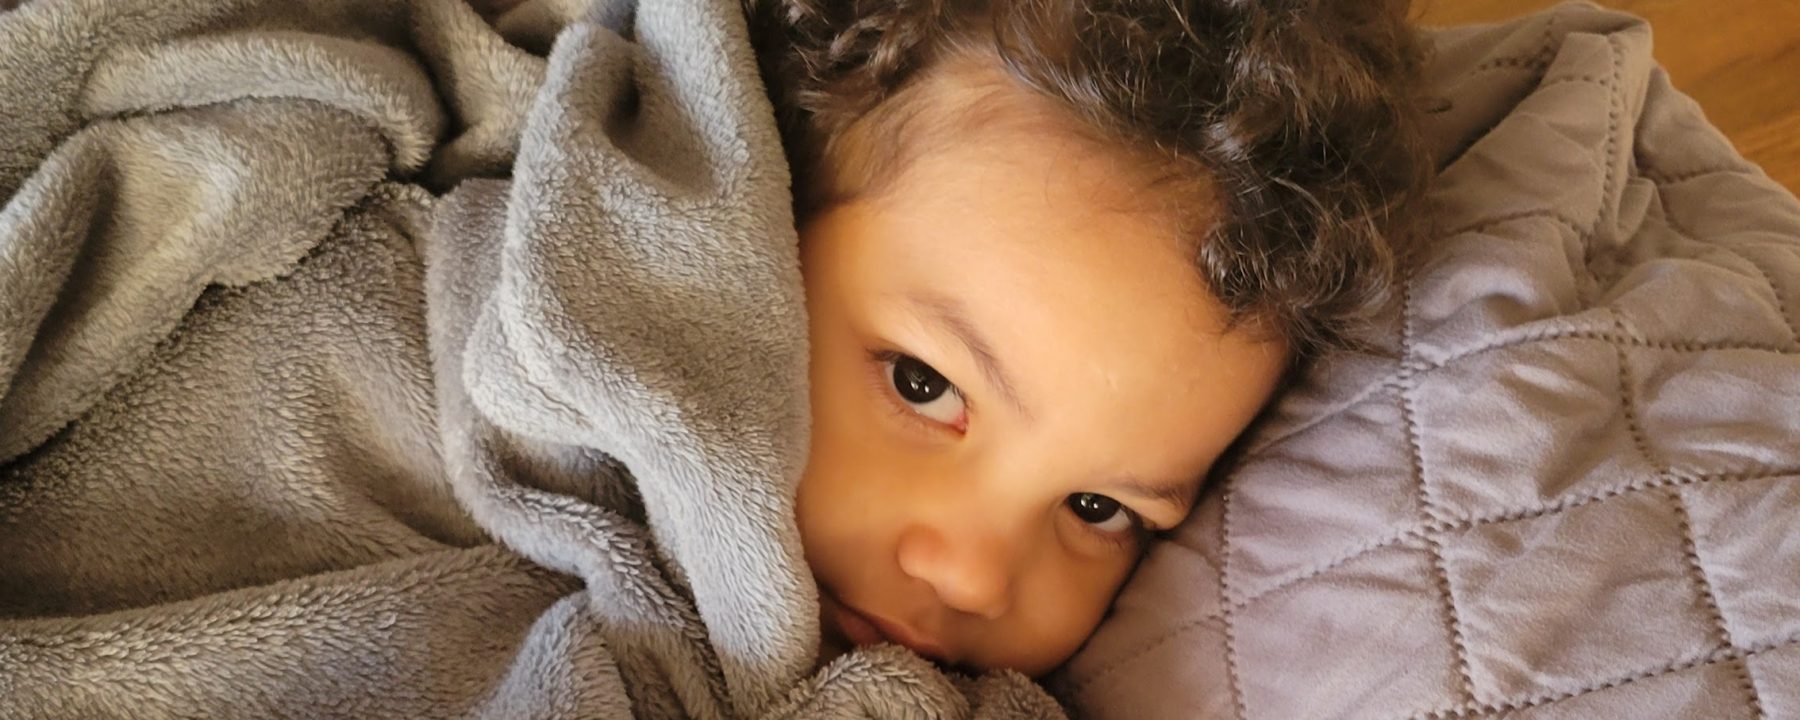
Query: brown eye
{"points": [[926, 390], [917, 382], [1104, 513]]}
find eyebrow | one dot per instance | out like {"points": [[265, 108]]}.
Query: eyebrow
{"points": [[955, 318], [950, 314]]}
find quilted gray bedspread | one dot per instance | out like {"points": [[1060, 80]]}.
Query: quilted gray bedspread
{"points": [[1564, 483]]}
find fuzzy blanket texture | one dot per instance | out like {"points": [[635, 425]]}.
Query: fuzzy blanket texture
{"points": [[360, 359], [284, 434]]}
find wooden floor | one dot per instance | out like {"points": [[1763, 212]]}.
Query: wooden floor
{"points": [[1739, 58]]}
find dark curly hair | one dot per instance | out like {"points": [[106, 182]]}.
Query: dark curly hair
{"points": [[1297, 121]]}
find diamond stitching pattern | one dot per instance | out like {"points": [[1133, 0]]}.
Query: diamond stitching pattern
{"points": [[1664, 482]]}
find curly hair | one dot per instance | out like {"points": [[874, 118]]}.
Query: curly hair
{"points": [[1297, 121]]}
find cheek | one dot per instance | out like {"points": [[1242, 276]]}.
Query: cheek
{"points": [[1060, 608], [843, 498]]}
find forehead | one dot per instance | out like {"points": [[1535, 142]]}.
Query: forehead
{"points": [[962, 101], [1085, 285]]}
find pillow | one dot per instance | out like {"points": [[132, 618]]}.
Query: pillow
{"points": [[1563, 483]]}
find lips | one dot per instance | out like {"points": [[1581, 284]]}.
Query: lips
{"points": [[864, 629]]}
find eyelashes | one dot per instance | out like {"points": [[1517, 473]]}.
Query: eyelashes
{"points": [[919, 392], [921, 396]]}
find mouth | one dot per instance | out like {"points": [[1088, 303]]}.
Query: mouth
{"points": [[862, 628]]}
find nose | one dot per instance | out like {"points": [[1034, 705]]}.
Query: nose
{"points": [[970, 572]]}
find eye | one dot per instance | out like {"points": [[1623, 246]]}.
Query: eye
{"points": [[928, 392], [1102, 512]]}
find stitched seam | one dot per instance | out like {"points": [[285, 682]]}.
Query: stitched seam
{"points": [[1233, 676], [1600, 81], [1539, 58], [1552, 334], [1583, 235], [1682, 177], [1673, 479], [1696, 661], [1417, 532], [1422, 366], [1690, 550], [1749, 685], [1427, 507], [1459, 644], [1615, 107], [1429, 530], [1621, 338], [1614, 99], [1781, 310], [1669, 482], [1628, 401], [1684, 522], [1517, 62], [1781, 307]]}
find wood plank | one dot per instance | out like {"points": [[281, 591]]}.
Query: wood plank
{"points": [[1740, 61], [1776, 146]]}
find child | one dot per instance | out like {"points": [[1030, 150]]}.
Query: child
{"points": [[1058, 254], [527, 448]]}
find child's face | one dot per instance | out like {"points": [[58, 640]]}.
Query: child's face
{"points": [[1013, 361]]}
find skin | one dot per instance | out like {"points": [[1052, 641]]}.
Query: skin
{"points": [[955, 537], [946, 525]]}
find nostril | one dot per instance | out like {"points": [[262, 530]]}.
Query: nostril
{"points": [[970, 574]]}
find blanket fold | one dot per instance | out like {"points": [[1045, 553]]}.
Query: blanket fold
{"points": [[283, 433]]}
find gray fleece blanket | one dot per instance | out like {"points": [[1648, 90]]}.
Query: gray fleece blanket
{"points": [[284, 432]]}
